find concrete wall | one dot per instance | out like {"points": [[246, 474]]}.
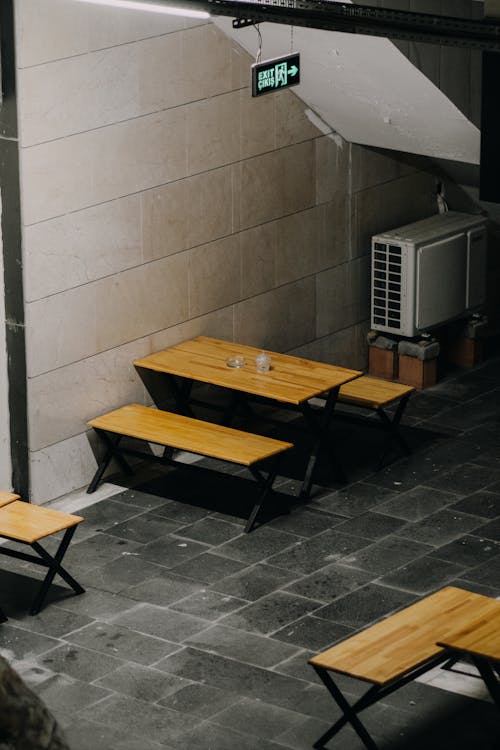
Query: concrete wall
{"points": [[159, 201], [5, 462]]}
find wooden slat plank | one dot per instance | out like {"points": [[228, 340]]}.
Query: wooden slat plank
{"points": [[403, 641], [7, 497], [193, 435], [291, 380], [372, 392], [483, 639], [29, 523]]}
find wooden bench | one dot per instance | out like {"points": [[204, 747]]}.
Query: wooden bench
{"points": [[27, 524], [175, 431], [376, 395], [404, 646]]}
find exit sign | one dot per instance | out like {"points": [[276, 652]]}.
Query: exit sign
{"points": [[272, 75]]}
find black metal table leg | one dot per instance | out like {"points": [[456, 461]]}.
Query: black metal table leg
{"points": [[3, 616], [319, 426], [54, 566], [488, 675]]}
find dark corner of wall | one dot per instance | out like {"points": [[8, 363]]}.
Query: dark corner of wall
{"points": [[12, 255]]}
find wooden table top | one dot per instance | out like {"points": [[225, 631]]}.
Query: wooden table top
{"points": [[291, 380], [483, 639], [398, 644]]}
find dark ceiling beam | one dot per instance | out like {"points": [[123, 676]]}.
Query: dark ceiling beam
{"points": [[356, 19]]}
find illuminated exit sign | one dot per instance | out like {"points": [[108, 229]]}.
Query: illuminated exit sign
{"points": [[273, 75]]}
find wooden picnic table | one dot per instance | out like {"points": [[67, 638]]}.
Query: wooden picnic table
{"points": [[291, 381]]}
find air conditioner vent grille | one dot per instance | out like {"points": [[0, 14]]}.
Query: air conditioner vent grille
{"points": [[387, 285]]}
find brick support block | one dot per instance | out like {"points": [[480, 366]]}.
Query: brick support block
{"points": [[465, 352], [417, 372], [382, 363]]}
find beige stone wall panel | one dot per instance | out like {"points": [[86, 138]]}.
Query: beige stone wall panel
{"points": [[214, 276]]}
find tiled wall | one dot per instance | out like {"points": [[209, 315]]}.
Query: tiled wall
{"points": [[159, 201]]}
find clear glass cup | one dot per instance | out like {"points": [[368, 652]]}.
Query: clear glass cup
{"points": [[263, 362]]}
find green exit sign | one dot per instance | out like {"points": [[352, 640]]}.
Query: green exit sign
{"points": [[272, 75]]}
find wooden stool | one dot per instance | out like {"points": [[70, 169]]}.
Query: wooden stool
{"points": [[28, 524]]}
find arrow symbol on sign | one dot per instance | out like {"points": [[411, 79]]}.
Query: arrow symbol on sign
{"points": [[293, 70]]}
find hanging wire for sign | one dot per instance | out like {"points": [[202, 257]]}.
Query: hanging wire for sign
{"points": [[259, 51], [291, 39]]}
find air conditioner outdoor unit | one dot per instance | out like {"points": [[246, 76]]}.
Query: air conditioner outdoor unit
{"points": [[427, 273]]}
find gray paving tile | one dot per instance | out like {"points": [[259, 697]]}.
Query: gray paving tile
{"points": [[252, 548], [208, 735], [313, 554], [208, 567], [329, 582], [468, 551], [363, 606], [250, 648], [160, 622], [78, 662], [83, 734], [96, 550], [440, 528], [181, 512], [121, 573], [208, 605], [254, 581], [235, 676], [487, 574], [253, 717], [270, 613], [389, 553], [297, 665], [210, 531], [144, 683], [201, 700], [144, 528], [105, 514], [305, 522], [417, 503], [489, 530], [63, 693], [313, 633], [483, 503], [139, 499], [121, 642], [371, 525], [170, 551], [96, 603], [14, 641], [139, 719], [354, 500], [423, 575], [164, 590], [302, 736], [53, 621], [465, 479]]}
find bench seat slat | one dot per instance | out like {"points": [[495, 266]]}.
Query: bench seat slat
{"points": [[372, 392], [30, 523], [404, 641], [188, 434], [7, 497]]}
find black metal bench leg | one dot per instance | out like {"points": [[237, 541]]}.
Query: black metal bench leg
{"points": [[391, 427], [112, 452], [54, 566], [349, 713], [3, 616], [265, 485]]}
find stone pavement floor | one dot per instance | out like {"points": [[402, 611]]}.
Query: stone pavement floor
{"points": [[194, 635]]}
